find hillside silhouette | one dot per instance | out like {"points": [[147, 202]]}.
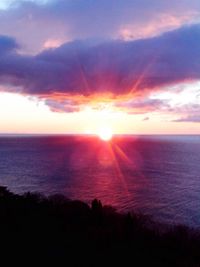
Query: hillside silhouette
{"points": [[35, 229]]}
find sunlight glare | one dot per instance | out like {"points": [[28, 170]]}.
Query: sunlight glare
{"points": [[105, 133]]}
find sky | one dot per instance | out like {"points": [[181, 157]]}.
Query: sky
{"points": [[76, 66]]}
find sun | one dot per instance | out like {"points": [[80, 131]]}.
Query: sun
{"points": [[105, 133]]}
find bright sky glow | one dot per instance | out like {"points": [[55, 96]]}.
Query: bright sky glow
{"points": [[23, 115]]}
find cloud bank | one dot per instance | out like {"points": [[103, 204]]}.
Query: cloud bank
{"points": [[59, 50], [36, 24], [117, 67]]}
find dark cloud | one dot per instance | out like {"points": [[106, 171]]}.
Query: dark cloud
{"points": [[146, 119], [7, 44], [118, 67]]}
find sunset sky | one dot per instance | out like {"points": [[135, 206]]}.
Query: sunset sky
{"points": [[75, 66]]}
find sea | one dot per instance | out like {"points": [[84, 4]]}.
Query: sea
{"points": [[156, 175]]}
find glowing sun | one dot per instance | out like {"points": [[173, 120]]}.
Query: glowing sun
{"points": [[105, 133]]}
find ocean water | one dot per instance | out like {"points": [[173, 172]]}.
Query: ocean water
{"points": [[155, 175]]}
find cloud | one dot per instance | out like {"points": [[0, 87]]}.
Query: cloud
{"points": [[62, 106], [7, 44], [115, 67], [68, 20], [68, 52], [142, 105], [192, 118], [146, 119], [187, 113]]}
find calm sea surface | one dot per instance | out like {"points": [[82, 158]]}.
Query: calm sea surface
{"points": [[156, 175]]}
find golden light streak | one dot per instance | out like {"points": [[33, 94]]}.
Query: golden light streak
{"points": [[119, 173]]}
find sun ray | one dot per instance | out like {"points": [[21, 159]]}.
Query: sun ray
{"points": [[123, 155], [119, 173], [141, 77]]}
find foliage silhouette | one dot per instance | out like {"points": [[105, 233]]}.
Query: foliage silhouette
{"points": [[55, 230]]}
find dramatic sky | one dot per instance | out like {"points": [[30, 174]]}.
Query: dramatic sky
{"points": [[74, 66]]}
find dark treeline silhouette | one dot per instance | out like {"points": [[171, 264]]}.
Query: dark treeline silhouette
{"points": [[35, 229]]}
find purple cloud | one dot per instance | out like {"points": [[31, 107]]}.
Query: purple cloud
{"points": [[67, 20], [190, 118], [117, 67], [143, 105], [62, 106], [188, 113]]}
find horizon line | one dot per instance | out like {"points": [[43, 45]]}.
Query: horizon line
{"points": [[93, 134]]}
